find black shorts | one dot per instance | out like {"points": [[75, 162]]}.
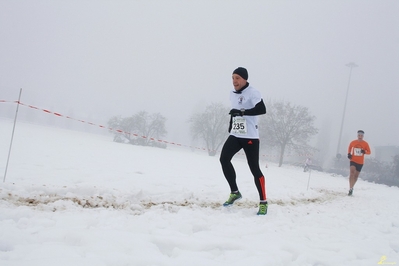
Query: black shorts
{"points": [[357, 166]]}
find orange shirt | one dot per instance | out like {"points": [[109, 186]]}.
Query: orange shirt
{"points": [[355, 148]]}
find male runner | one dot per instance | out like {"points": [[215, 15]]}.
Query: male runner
{"points": [[247, 104], [356, 151]]}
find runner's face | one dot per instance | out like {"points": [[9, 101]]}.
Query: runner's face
{"points": [[238, 82], [360, 136]]}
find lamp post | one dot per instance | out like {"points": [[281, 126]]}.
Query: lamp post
{"points": [[350, 65]]}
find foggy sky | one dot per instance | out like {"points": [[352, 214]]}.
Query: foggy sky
{"points": [[107, 58]]}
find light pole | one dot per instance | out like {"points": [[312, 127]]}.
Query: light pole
{"points": [[350, 65]]}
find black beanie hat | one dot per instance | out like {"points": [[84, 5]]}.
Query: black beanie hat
{"points": [[241, 72]]}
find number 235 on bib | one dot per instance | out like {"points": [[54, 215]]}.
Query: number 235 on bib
{"points": [[239, 125]]}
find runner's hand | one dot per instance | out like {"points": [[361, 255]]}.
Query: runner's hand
{"points": [[235, 112], [349, 156]]}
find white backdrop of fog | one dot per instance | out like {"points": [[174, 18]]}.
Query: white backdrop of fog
{"points": [[98, 59]]}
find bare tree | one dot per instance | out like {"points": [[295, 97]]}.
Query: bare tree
{"points": [[114, 125], [210, 126], [287, 126], [140, 129], [149, 126]]}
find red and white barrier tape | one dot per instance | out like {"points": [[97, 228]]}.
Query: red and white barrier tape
{"points": [[136, 135]]}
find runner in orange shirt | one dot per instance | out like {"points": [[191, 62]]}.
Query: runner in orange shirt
{"points": [[356, 151]]}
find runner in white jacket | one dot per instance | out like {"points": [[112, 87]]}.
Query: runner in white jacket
{"points": [[247, 104]]}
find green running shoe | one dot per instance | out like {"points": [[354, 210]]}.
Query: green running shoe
{"points": [[233, 197], [350, 192], [262, 208]]}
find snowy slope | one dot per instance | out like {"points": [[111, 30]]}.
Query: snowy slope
{"points": [[72, 198]]}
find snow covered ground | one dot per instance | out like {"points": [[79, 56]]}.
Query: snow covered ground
{"points": [[72, 198]]}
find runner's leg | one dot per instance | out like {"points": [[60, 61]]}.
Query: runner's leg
{"points": [[352, 176], [251, 148], [230, 148]]}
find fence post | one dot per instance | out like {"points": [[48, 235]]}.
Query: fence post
{"points": [[310, 170], [12, 135]]}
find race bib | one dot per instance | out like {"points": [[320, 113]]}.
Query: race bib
{"points": [[357, 152], [239, 125]]}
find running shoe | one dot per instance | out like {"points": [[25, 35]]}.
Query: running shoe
{"points": [[262, 208], [233, 197]]}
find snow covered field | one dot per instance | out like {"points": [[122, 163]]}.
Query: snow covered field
{"points": [[72, 198]]}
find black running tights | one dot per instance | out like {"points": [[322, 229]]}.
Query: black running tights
{"points": [[251, 149]]}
